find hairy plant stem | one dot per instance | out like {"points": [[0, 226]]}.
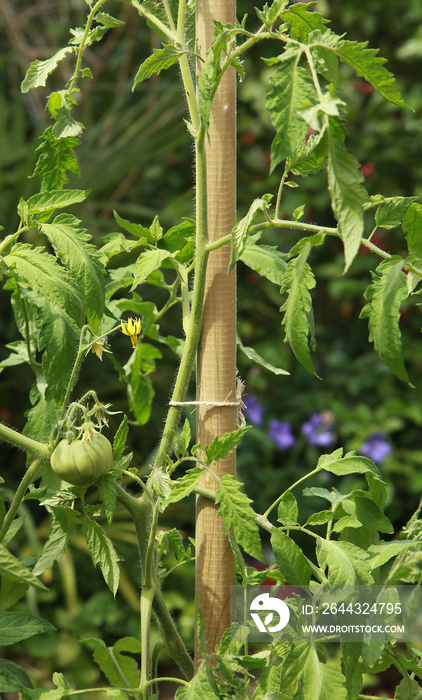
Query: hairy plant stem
{"points": [[310, 228], [154, 20], [28, 478], [35, 448], [74, 371], [296, 483], [141, 511], [91, 16], [195, 320]]}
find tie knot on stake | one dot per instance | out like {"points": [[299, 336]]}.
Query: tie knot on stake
{"points": [[241, 422]]}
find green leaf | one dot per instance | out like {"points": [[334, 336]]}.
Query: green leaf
{"points": [[59, 338], [299, 212], [102, 553], [251, 354], [42, 417], [56, 156], [382, 552], [237, 513], [349, 464], [320, 518], [38, 71], [391, 212], [318, 681], [64, 522], [55, 199], [12, 568], [287, 509], [347, 564], [148, 262], [156, 230], [160, 60], [38, 271], [11, 592], [107, 491], [267, 260], [15, 626], [209, 72], [61, 681], [408, 689], [385, 297], [199, 687], [290, 559], [327, 105], [65, 125], [309, 157], [12, 677], [351, 668], [175, 544], [315, 240], [185, 485], [135, 229], [108, 21], [366, 63], [183, 439], [302, 22], [120, 669], [347, 521], [82, 259], [367, 513], [298, 317], [141, 394], [240, 231], [223, 446], [42, 694], [347, 197], [412, 226], [119, 442], [275, 9], [293, 90]]}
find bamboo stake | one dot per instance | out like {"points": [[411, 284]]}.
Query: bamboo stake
{"points": [[216, 361]]}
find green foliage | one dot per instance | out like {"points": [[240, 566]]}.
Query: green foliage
{"points": [[222, 447], [121, 670], [81, 259], [293, 90], [160, 60], [102, 553], [298, 318], [385, 297], [39, 71], [241, 230], [347, 197], [64, 522], [237, 513], [16, 626]]}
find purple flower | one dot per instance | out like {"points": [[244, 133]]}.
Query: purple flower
{"points": [[280, 433], [255, 411], [376, 448], [318, 429]]}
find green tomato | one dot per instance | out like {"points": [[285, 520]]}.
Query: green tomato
{"points": [[82, 462]]}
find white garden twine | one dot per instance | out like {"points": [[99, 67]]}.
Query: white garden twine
{"points": [[239, 403]]}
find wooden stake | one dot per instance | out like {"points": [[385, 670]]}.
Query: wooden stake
{"points": [[216, 362]]}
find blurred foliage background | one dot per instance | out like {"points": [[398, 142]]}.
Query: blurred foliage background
{"points": [[136, 158]]}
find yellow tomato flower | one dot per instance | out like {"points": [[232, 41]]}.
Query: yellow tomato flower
{"points": [[98, 349], [132, 328]]}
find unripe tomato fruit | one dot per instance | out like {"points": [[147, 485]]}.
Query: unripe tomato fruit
{"points": [[82, 462]]}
